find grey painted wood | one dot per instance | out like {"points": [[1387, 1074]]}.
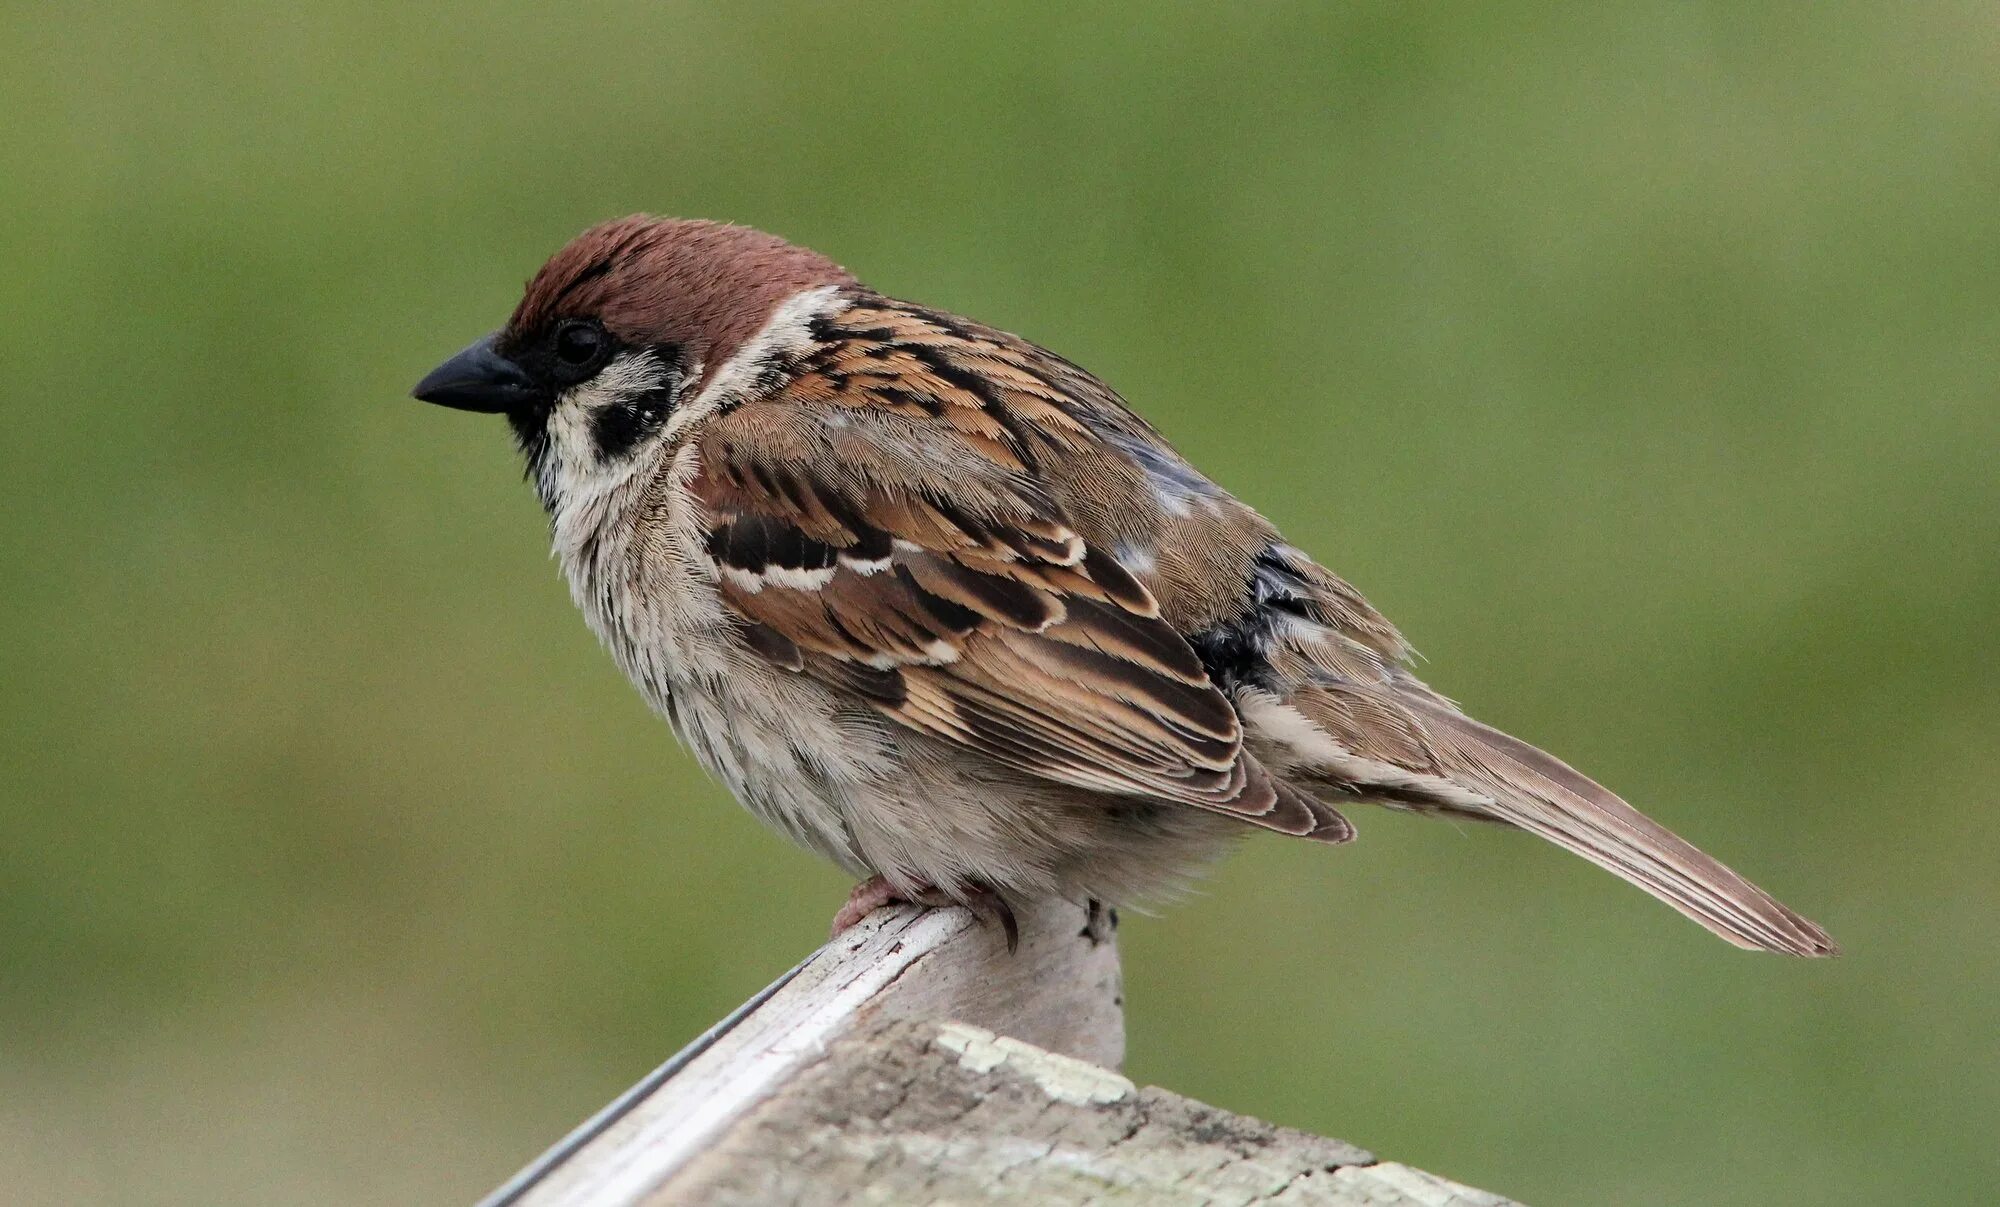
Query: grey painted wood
{"points": [[914, 1060]]}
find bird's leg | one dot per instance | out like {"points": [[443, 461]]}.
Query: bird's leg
{"points": [[1100, 923], [875, 892]]}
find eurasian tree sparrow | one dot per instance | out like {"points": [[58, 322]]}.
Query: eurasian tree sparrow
{"points": [[932, 601]]}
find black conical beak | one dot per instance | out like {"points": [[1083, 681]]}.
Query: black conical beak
{"points": [[478, 379]]}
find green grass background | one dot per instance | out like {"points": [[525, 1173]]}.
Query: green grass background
{"points": [[1640, 360]]}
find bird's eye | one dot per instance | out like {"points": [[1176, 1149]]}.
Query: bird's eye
{"points": [[579, 342]]}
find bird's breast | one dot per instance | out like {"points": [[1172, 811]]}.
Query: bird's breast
{"points": [[640, 573]]}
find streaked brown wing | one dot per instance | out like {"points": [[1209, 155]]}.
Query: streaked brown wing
{"points": [[977, 616]]}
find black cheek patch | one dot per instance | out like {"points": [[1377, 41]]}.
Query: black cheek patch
{"points": [[618, 428]]}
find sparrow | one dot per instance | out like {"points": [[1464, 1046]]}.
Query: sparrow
{"points": [[937, 604]]}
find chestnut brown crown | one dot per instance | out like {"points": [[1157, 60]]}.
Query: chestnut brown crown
{"points": [[702, 286], [692, 291]]}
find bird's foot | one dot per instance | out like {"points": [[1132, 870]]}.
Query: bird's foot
{"points": [[868, 896], [989, 906], [875, 892]]}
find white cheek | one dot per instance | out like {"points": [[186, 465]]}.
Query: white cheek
{"points": [[569, 430], [574, 465]]}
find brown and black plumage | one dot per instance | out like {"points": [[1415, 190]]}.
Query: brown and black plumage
{"points": [[935, 602]]}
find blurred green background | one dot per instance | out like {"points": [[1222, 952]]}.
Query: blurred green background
{"points": [[1640, 361]]}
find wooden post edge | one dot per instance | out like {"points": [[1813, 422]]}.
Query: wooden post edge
{"points": [[914, 1060]]}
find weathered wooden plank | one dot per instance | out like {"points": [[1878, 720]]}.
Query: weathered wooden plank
{"points": [[915, 1060], [925, 1112]]}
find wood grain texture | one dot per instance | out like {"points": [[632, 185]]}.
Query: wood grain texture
{"points": [[915, 1061], [920, 1113]]}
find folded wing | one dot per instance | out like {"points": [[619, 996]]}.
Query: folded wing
{"points": [[976, 615]]}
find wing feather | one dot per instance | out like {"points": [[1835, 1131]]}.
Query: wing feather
{"points": [[978, 616]]}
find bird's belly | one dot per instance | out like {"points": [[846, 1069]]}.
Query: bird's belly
{"points": [[877, 798]]}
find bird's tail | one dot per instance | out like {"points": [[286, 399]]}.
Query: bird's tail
{"points": [[1543, 795]]}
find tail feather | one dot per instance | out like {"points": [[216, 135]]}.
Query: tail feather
{"points": [[1541, 794]]}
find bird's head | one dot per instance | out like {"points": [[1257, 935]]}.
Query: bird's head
{"points": [[625, 336]]}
